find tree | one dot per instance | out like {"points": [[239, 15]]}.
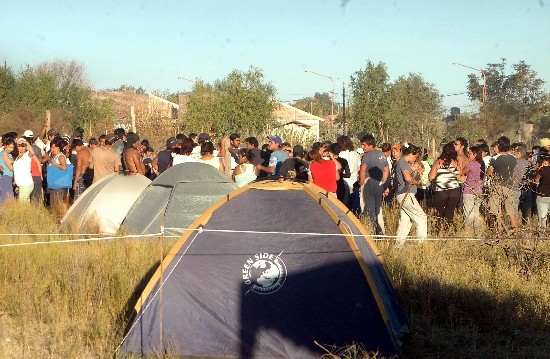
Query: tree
{"points": [[7, 85], [414, 110], [241, 102], [36, 90], [58, 86], [319, 105], [66, 73], [512, 99], [369, 98]]}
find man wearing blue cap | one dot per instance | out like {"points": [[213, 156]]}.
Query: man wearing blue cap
{"points": [[278, 156]]}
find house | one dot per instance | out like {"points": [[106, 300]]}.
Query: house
{"points": [[298, 124]]}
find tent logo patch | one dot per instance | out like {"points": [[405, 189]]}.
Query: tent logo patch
{"points": [[265, 273]]}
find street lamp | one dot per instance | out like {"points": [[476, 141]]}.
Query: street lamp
{"points": [[331, 79], [483, 74]]}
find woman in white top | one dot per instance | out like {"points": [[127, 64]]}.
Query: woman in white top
{"points": [[184, 154], [245, 172], [207, 152], [22, 175]]}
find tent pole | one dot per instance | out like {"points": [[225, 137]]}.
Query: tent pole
{"points": [[161, 280]]}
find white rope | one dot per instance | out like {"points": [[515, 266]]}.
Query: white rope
{"points": [[201, 229], [78, 240], [49, 234], [375, 237]]}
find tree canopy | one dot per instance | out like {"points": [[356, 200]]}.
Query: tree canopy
{"points": [[319, 105], [512, 99], [406, 110], [59, 86], [241, 102]]}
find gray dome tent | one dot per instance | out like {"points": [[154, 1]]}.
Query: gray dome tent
{"points": [[266, 272], [180, 195]]}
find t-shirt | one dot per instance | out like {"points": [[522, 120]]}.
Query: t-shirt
{"points": [[276, 160], [178, 159], [543, 189], [473, 183], [376, 162], [503, 167], [22, 170], [402, 185], [105, 161], [324, 174], [118, 147], [164, 159], [34, 166], [257, 160], [518, 176], [214, 162], [6, 170], [354, 162], [300, 166]]}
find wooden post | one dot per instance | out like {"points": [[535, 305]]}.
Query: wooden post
{"points": [[48, 119], [133, 115]]}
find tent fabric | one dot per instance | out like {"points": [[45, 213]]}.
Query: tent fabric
{"points": [[274, 268], [176, 198], [107, 201]]}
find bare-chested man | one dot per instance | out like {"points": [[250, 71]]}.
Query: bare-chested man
{"points": [[131, 156], [83, 176], [461, 147]]}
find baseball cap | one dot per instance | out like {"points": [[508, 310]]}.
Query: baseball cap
{"points": [[204, 137], [20, 141], [171, 142], [276, 139], [28, 134], [110, 138]]}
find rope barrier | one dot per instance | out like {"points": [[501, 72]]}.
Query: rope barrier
{"points": [[78, 240], [201, 230]]}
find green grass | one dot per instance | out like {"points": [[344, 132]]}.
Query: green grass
{"points": [[465, 299]]}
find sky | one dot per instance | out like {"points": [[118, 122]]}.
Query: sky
{"points": [[152, 43]]}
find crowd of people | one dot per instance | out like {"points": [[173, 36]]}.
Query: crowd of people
{"points": [[480, 181]]}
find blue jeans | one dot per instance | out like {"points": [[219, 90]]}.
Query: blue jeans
{"points": [[373, 195], [6, 188]]}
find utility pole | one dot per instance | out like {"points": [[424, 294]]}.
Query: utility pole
{"points": [[344, 106], [331, 79], [483, 74]]}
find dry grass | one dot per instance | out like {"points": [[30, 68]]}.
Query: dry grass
{"points": [[66, 300], [483, 299]]}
